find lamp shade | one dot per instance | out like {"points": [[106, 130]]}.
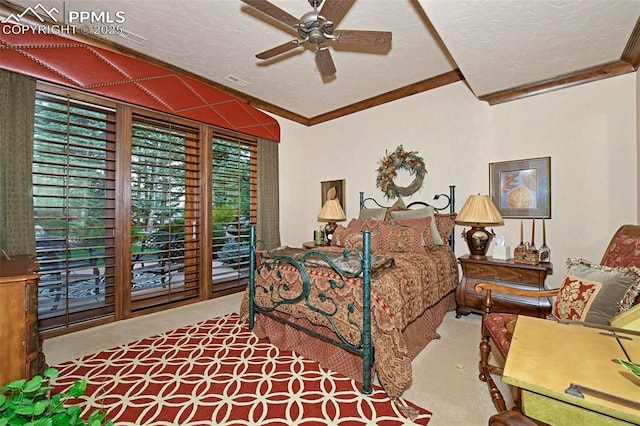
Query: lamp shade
{"points": [[479, 210], [331, 211]]}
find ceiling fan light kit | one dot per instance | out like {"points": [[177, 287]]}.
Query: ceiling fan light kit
{"points": [[317, 27]]}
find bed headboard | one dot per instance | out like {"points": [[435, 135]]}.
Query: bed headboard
{"points": [[449, 207]]}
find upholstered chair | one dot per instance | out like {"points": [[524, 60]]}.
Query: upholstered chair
{"points": [[497, 327]]}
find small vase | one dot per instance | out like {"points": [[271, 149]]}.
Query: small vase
{"points": [[545, 253]]}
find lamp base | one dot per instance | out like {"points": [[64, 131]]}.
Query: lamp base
{"points": [[329, 229], [478, 240]]}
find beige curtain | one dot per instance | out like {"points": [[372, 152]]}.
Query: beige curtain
{"points": [[268, 226], [17, 105]]}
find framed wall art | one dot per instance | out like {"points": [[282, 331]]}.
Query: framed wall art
{"points": [[521, 188], [340, 191]]}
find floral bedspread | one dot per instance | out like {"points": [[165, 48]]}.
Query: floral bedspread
{"points": [[399, 294]]}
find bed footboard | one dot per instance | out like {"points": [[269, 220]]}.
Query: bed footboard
{"points": [[280, 293]]}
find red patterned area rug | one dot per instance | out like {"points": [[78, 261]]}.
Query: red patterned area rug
{"points": [[218, 372]]}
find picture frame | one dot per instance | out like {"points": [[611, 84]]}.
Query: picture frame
{"points": [[521, 188], [340, 192]]}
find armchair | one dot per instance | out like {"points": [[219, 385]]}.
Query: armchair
{"points": [[497, 327]]}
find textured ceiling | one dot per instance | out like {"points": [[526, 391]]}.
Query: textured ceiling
{"points": [[495, 44], [503, 44]]}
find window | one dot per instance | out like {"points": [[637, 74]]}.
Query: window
{"points": [[234, 206], [165, 212], [122, 225], [74, 207]]}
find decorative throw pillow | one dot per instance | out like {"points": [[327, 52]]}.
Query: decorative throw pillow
{"points": [[404, 239], [595, 293], [397, 206], [419, 213], [339, 236], [378, 228], [357, 225], [423, 230], [353, 242], [372, 214], [445, 224]]}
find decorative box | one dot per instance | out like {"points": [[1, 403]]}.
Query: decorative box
{"points": [[523, 254], [501, 252]]}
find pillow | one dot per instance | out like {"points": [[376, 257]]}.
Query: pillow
{"points": [[397, 206], [404, 239], [445, 224], [419, 213], [353, 242], [372, 214], [422, 227], [595, 293], [379, 231], [339, 236]]}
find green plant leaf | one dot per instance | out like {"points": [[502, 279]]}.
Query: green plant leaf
{"points": [[78, 388], [40, 407], [25, 410], [15, 385], [31, 403], [74, 415], [42, 392], [40, 422], [61, 419], [51, 373], [33, 385]]}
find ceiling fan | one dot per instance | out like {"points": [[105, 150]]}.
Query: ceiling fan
{"points": [[317, 27]]}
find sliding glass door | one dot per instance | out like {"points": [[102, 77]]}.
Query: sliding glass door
{"points": [[74, 207], [165, 213], [234, 206], [135, 211]]}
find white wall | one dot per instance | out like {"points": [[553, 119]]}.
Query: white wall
{"points": [[638, 135], [589, 132]]}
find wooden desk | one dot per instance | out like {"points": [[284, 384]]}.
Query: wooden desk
{"points": [[546, 357]]}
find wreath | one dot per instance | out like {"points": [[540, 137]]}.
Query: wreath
{"points": [[387, 172]]}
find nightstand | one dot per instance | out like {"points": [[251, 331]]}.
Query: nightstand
{"points": [[312, 245], [503, 272]]}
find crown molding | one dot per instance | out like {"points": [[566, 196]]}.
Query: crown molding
{"points": [[587, 75]]}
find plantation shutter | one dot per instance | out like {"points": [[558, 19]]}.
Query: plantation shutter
{"points": [[234, 207], [165, 212], [74, 208]]}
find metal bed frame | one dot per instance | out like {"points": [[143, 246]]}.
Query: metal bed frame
{"points": [[276, 290]]}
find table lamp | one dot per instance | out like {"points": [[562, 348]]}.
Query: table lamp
{"points": [[478, 211], [331, 213]]}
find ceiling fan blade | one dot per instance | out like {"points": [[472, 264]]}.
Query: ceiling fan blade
{"points": [[370, 38], [325, 62], [272, 10], [278, 50], [335, 9]]}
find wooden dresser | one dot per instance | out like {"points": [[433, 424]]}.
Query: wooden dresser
{"points": [[21, 353], [507, 273]]}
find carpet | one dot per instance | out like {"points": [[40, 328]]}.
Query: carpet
{"points": [[217, 372]]}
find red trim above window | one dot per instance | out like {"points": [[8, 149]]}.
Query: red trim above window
{"points": [[75, 64]]}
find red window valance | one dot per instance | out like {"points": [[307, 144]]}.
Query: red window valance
{"points": [[71, 63]]}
